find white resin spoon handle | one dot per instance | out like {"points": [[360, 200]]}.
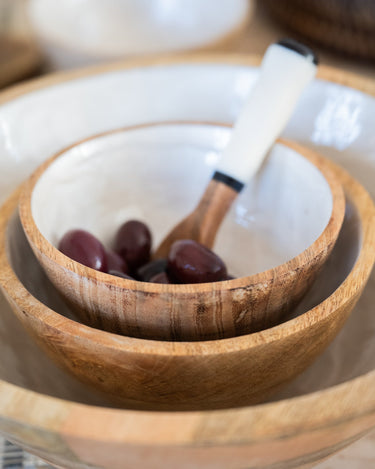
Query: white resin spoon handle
{"points": [[286, 69]]}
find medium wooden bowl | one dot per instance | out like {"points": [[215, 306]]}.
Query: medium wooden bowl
{"points": [[296, 201], [156, 375]]}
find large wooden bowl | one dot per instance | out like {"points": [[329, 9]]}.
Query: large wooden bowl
{"points": [[156, 375], [157, 173], [325, 409]]}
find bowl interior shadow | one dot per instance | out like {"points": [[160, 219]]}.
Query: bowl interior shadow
{"points": [[27, 366]]}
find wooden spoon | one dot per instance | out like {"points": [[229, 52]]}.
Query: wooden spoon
{"points": [[286, 69]]}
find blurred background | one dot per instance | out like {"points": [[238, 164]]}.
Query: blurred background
{"points": [[43, 36]]}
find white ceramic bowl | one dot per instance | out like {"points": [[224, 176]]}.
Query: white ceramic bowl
{"points": [[74, 33], [336, 119]]}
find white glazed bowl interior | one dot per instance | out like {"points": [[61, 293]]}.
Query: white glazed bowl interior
{"points": [[157, 174]]}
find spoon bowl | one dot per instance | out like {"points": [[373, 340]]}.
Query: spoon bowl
{"points": [[275, 239]]}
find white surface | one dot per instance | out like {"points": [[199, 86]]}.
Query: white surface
{"points": [[284, 74], [76, 32], [158, 173], [35, 126]]}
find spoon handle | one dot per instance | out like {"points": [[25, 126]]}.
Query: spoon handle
{"points": [[286, 69]]}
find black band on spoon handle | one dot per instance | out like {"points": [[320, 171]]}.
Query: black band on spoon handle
{"points": [[299, 48], [228, 180]]}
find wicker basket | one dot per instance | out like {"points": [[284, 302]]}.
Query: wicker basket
{"points": [[342, 25]]}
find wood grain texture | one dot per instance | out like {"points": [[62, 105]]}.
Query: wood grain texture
{"points": [[186, 312], [155, 375], [291, 433], [203, 223]]}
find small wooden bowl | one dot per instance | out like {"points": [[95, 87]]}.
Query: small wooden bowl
{"points": [[157, 375], [296, 201]]}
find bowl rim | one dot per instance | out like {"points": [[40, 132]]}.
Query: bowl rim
{"points": [[339, 403], [302, 260]]}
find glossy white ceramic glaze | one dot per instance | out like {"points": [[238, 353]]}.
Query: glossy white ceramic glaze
{"points": [[335, 119], [156, 174], [75, 33]]}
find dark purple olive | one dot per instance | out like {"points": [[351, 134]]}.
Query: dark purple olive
{"points": [[116, 273], [133, 243], [116, 262], [191, 262], [149, 270], [83, 247], [161, 277]]}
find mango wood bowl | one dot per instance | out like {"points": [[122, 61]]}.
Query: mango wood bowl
{"points": [[156, 375], [330, 405], [274, 240]]}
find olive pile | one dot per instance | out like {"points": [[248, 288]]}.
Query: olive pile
{"points": [[188, 261]]}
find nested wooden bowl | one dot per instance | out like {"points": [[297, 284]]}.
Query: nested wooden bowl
{"points": [[161, 375], [275, 239]]}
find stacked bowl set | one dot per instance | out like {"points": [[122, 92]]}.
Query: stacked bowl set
{"points": [[273, 368]]}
